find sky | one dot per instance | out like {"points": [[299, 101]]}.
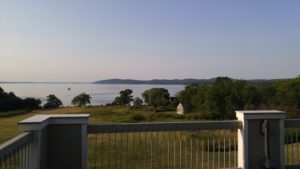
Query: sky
{"points": [[83, 41]]}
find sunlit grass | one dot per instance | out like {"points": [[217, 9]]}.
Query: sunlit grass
{"points": [[98, 115]]}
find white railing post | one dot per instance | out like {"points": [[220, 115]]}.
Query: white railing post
{"points": [[59, 141], [252, 141]]}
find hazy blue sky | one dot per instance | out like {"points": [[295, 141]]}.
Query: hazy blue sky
{"points": [[87, 40]]}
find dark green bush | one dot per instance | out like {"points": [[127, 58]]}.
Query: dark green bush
{"points": [[135, 118]]}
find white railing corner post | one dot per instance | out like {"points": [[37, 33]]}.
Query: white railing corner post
{"points": [[257, 149], [59, 141]]}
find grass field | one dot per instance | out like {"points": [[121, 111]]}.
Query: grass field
{"points": [[98, 115]]}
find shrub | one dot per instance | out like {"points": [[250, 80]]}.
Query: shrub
{"points": [[32, 103], [135, 118], [52, 102], [14, 112], [81, 100]]}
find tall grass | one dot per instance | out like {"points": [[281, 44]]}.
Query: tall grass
{"points": [[185, 149]]}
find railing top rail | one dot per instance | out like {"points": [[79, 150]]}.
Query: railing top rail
{"points": [[173, 126], [292, 123], [38, 122], [14, 144]]}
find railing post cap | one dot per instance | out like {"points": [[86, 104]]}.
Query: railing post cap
{"points": [[260, 114], [38, 122]]}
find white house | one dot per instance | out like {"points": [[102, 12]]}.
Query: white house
{"points": [[180, 109]]}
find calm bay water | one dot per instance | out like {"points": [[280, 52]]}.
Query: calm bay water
{"points": [[100, 93]]}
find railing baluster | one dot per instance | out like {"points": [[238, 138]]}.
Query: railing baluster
{"points": [[22, 158], [287, 148], [234, 149], [186, 153], [139, 146], [185, 149], [191, 149], [229, 142], [102, 151], [145, 151], [297, 158], [213, 149], [115, 147], [292, 147], [133, 151], [121, 150], [163, 145], [197, 147], [4, 162], [219, 148], [19, 158], [180, 148], [15, 156], [174, 148], [108, 135], [202, 149], [151, 149], [168, 149], [96, 151], [10, 162], [224, 148], [27, 156], [127, 150], [157, 150], [208, 140]]}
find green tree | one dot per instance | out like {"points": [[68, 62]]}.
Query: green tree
{"points": [[220, 99], [193, 97], [288, 93], [9, 101], [137, 102], [32, 103], [52, 102], [124, 98], [267, 93], [157, 97], [81, 100]]}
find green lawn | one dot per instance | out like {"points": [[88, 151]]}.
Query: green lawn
{"points": [[98, 115]]}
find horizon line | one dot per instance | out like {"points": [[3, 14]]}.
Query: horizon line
{"points": [[141, 80]]}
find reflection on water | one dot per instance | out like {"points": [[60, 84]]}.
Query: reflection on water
{"points": [[100, 93]]}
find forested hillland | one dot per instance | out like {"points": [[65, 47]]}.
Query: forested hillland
{"points": [[179, 81]]}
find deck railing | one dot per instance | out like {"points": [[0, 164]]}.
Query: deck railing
{"points": [[15, 153], [258, 139], [292, 145], [164, 145]]}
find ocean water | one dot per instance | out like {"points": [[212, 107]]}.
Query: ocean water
{"points": [[101, 93]]}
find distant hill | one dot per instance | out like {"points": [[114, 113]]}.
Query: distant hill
{"points": [[154, 81], [177, 81]]}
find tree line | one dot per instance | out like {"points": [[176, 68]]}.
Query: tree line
{"points": [[217, 100], [220, 99], [9, 101]]}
